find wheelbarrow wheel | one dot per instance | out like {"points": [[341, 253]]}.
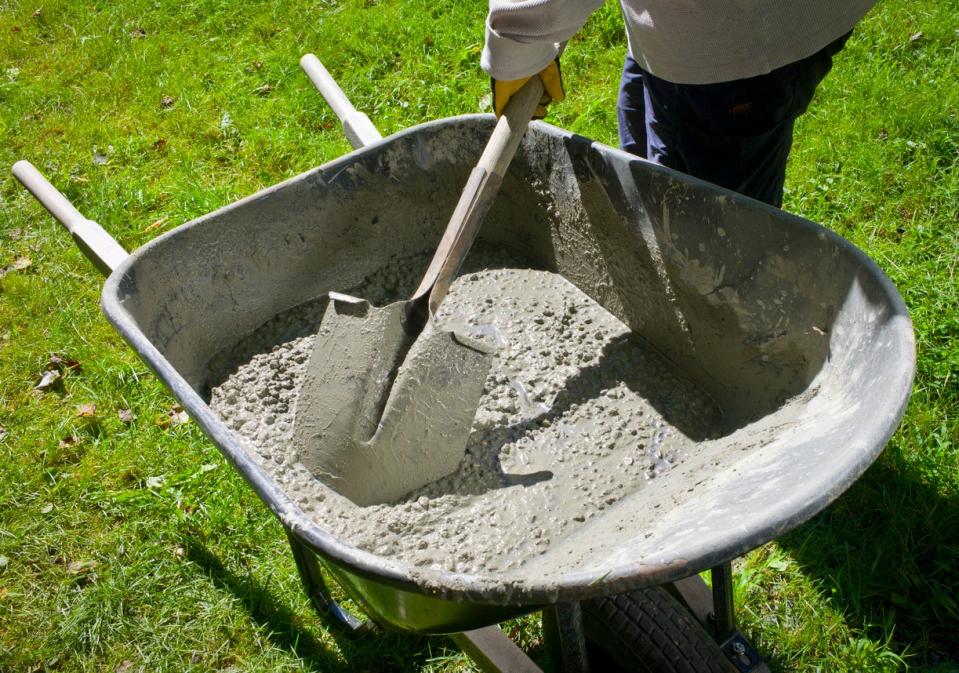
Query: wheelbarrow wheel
{"points": [[648, 631]]}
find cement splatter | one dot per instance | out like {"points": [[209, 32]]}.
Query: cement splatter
{"points": [[577, 414]]}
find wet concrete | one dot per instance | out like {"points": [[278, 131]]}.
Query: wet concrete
{"points": [[577, 415]]}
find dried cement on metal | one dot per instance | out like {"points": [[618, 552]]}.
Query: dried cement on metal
{"points": [[577, 414]]}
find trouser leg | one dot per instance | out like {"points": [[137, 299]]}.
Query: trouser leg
{"points": [[631, 109], [734, 134]]}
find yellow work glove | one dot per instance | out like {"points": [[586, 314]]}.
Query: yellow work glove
{"points": [[552, 78]]}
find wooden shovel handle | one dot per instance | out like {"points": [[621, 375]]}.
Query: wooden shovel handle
{"points": [[481, 188]]}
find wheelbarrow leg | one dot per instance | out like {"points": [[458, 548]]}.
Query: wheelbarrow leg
{"points": [[494, 652], [716, 611], [563, 630], [315, 586]]}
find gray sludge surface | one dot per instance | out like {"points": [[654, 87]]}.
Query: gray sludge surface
{"points": [[573, 420]]}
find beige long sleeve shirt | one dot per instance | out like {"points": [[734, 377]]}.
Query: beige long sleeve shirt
{"points": [[681, 41]]}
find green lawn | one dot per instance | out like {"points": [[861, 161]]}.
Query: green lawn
{"points": [[130, 545]]}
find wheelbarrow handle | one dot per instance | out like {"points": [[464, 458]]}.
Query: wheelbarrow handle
{"points": [[98, 246], [357, 126]]}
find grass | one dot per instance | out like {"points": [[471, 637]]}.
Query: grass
{"points": [[131, 545]]}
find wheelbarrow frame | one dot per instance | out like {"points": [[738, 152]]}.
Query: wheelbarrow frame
{"points": [[305, 541]]}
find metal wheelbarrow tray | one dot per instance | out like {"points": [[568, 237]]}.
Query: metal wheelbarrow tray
{"points": [[801, 339]]}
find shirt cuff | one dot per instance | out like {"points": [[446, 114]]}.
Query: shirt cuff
{"points": [[506, 59]]}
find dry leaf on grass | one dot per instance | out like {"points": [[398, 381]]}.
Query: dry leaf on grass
{"points": [[159, 223], [83, 571], [49, 380], [126, 415], [19, 264], [80, 567], [88, 410], [68, 441], [63, 364], [56, 368], [175, 416]]}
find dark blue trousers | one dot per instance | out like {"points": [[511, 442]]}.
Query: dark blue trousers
{"points": [[734, 134]]}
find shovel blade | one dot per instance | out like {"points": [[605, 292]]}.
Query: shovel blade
{"points": [[356, 352], [373, 437], [426, 422]]}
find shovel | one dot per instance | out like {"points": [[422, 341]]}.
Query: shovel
{"points": [[388, 399]]}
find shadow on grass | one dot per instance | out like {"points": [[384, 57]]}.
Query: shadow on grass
{"points": [[889, 550], [376, 652]]}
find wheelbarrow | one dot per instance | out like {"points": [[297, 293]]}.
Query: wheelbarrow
{"points": [[799, 337]]}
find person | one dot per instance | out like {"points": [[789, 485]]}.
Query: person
{"points": [[711, 88]]}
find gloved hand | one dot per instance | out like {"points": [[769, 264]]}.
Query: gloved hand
{"points": [[552, 78]]}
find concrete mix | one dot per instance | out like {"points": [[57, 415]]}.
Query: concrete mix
{"points": [[577, 414]]}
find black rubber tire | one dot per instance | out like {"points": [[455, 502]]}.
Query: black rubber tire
{"points": [[648, 631]]}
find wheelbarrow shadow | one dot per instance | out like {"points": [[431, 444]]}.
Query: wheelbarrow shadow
{"points": [[281, 626], [888, 551]]}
